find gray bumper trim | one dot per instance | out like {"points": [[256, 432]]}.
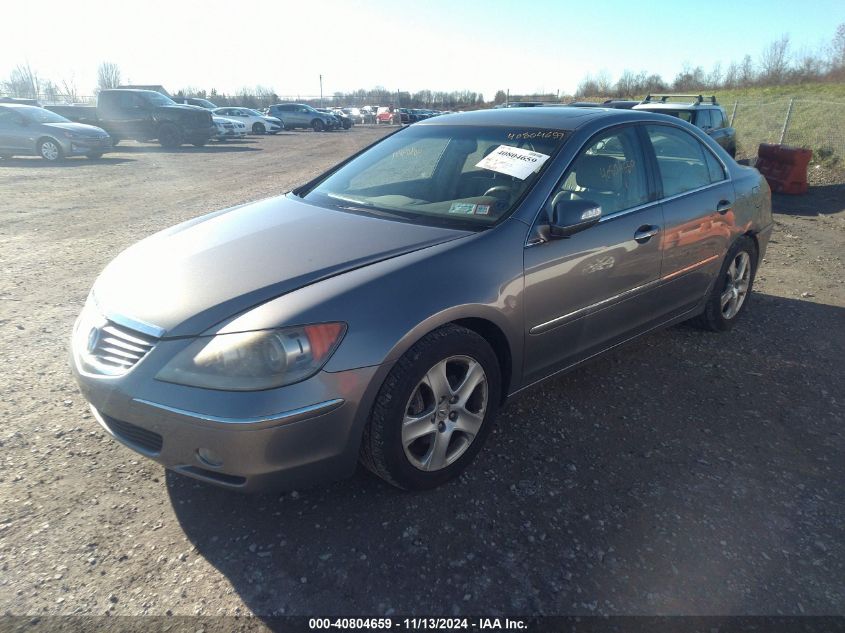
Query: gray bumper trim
{"points": [[263, 422]]}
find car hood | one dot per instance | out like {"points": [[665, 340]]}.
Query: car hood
{"points": [[79, 128], [192, 276]]}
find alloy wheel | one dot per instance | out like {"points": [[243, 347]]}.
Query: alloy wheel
{"points": [[444, 413], [49, 150], [737, 282]]}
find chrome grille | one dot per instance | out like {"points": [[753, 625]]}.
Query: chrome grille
{"points": [[119, 348]]}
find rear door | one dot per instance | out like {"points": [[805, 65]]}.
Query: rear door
{"points": [[595, 288], [14, 135], [697, 199]]}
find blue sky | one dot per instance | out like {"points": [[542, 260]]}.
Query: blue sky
{"points": [[526, 46]]}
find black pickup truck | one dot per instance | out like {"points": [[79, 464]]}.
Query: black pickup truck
{"points": [[144, 115]]}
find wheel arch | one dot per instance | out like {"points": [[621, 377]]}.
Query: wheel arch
{"points": [[480, 319], [497, 339]]}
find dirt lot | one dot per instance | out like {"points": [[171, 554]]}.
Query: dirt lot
{"points": [[687, 473]]}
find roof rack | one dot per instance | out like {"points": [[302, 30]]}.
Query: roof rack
{"points": [[697, 99]]}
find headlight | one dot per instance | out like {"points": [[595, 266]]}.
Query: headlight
{"points": [[250, 361]]}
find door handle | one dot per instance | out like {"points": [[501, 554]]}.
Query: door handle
{"points": [[645, 233], [723, 207]]}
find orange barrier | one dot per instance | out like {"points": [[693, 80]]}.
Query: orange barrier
{"points": [[785, 168]]}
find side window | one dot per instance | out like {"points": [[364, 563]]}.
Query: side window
{"points": [[680, 158], [7, 118], [717, 172], [609, 171], [717, 118], [702, 119]]}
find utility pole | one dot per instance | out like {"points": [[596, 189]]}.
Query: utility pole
{"points": [[508, 98], [321, 91]]}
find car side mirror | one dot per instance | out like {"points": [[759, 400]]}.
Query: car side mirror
{"points": [[571, 216]]}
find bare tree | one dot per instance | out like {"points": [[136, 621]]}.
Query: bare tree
{"points": [[626, 85], [69, 91], [604, 84], [689, 78], [837, 57], [108, 76], [714, 77], [774, 62], [747, 72], [731, 76], [654, 83], [23, 82]]}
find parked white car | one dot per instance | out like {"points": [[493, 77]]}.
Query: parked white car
{"points": [[255, 122], [228, 128]]}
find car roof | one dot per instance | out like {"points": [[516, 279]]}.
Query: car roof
{"points": [[563, 118], [20, 106]]}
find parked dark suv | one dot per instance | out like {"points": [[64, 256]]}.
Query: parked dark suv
{"points": [[702, 112]]}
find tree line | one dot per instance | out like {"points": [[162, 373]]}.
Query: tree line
{"points": [[778, 64]]}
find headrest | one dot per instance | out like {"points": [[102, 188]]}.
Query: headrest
{"points": [[600, 173]]}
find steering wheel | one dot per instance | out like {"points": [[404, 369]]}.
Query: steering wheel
{"points": [[502, 194]]}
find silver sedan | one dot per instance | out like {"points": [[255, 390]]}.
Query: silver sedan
{"points": [[30, 130], [383, 312]]}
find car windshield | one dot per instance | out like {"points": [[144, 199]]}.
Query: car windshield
{"points": [[254, 112], [40, 115], [158, 99], [204, 103], [442, 174]]}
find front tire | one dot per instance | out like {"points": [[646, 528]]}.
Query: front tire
{"points": [[50, 150], [434, 410], [729, 296], [318, 125], [168, 136], [258, 128]]}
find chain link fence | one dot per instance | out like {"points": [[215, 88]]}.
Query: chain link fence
{"points": [[815, 125]]}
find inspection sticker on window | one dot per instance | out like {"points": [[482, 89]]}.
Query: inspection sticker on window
{"points": [[513, 161], [463, 208]]}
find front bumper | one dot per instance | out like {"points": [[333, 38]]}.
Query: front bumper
{"points": [[248, 441], [81, 146], [200, 134]]}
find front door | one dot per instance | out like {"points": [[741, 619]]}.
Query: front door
{"points": [[585, 292]]}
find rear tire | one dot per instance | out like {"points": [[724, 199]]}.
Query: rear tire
{"points": [[115, 140], [258, 128], [318, 125], [419, 438], [168, 136], [730, 293], [50, 150]]}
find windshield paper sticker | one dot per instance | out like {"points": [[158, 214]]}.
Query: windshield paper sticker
{"points": [[513, 161], [464, 208]]}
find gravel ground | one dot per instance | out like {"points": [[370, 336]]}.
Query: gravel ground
{"points": [[688, 473]]}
